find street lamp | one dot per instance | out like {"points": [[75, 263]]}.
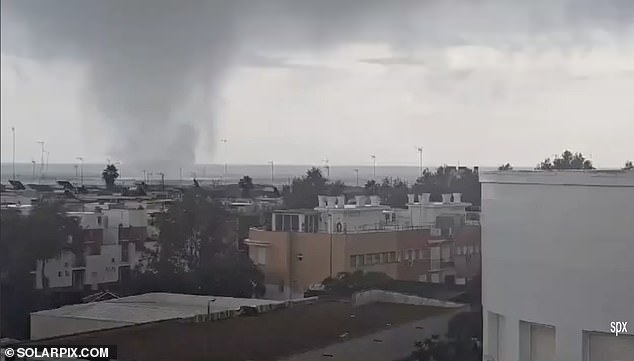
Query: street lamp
{"points": [[224, 141], [81, 170], [41, 143], [327, 167], [420, 153], [272, 172], [373, 165], [13, 131], [356, 170]]}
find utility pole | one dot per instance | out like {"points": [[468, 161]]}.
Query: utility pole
{"points": [[373, 165], [224, 177], [144, 176], [41, 143], [76, 173], [81, 170], [33, 164], [420, 153], [47, 155], [180, 175], [356, 170], [272, 172], [162, 180], [13, 131]]}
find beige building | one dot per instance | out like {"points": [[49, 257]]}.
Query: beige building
{"points": [[303, 247]]}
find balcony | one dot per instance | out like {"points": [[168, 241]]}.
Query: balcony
{"points": [[79, 261]]}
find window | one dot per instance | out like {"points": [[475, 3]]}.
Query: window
{"points": [[360, 260], [353, 261], [458, 251], [99, 220], [410, 254], [376, 258], [59, 274], [393, 217], [470, 249], [392, 257]]}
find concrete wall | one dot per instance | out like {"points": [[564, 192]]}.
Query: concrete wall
{"points": [[43, 326], [556, 251], [365, 297]]}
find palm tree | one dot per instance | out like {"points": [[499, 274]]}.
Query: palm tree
{"points": [[109, 175], [246, 184]]}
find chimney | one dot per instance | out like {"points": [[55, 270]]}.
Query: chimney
{"points": [[457, 197], [424, 198], [322, 201], [360, 201], [446, 198], [375, 201], [332, 202], [410, 199], [341, 201]]}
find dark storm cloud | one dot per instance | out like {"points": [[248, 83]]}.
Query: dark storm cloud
{"points": [[152, 66]]}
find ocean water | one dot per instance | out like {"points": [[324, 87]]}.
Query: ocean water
{"points": [[205, 173]]}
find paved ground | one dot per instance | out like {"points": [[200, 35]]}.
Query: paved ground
{"points": [[268, 336], [391, 344]]}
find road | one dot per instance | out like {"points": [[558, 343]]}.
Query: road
{"points": [[390, 344]]}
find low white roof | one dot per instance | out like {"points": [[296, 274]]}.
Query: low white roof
{"points": [[151, 307]]}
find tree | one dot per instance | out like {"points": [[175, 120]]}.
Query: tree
{"points": [[246, 184], [48, 232], [393, 192], [371, 187], [506, 166], [335, 188], [109, 175], [194, 254], [303, 191], [567, 160], [449, 180], [628, 165]]}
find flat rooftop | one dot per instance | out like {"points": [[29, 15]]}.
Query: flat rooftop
{"points": [[268, 336], [151, 307], [578, 177]]}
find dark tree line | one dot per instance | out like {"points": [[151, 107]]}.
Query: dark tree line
{"points": [[25, 240], [197, 254], [303, 191]]}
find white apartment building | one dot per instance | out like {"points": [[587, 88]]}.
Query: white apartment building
{"points": [[114, 239], [557, 265]]}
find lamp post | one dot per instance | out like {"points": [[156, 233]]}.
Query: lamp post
{"points": [[13, 131], [272, 172], [224, 177], [356, 170], [81, 170], [41, 143], [330, 224], [327, 166], [373, 165], [420, 153]]}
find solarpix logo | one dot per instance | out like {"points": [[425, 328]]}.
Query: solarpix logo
{"points": [[618, 327]]}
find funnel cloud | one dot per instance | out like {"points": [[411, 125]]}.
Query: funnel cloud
{"points": [[153, 68]]}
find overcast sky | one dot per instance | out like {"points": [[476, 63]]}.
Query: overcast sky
{"points": [[474, 82]]}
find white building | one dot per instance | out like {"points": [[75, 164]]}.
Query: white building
{"points": [[114, 240], [557, 265]]}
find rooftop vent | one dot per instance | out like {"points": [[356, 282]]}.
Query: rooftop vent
{"points": [[457, 197], [424, 197], [360, 201], [446, 198], [332, 202], [375, 201], [410, 198], [322, 201], [341, 201]]}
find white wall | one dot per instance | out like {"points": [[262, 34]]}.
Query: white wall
{"points": [[557, 254], [43, 326]]}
